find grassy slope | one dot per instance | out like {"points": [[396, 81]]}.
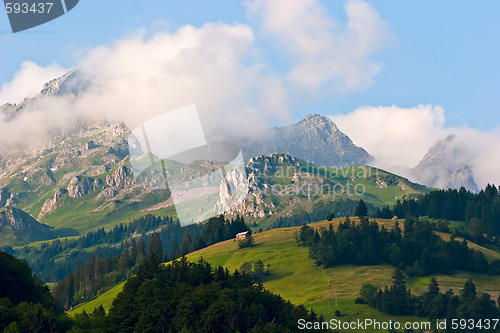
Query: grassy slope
{"points": [[295, 278], [105, 300]]}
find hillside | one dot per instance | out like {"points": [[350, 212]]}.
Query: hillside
{"points": [[18, 227], [84, 186], [82, 177], [295, 278]]}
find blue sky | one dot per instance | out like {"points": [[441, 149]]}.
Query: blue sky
{"points": [[396, 76]]}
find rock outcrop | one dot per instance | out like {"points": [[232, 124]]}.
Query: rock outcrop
{"points": [[19, 221], [120, 178], [52, 203], [79, 187]]}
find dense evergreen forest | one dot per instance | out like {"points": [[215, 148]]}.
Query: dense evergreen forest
{"points": [[74, 252], [180, 297], [481, 211], [417, 250], [398, 300], [105, 244], [26, 304], [194, 297], [99, 274]]}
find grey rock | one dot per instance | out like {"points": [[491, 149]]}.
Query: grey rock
{"points": [[120, 178], [77, 189], [315, 139], [72, 83], [51, 204], [19, 221]]}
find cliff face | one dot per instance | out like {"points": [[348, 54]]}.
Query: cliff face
{"points": [[52, 203]]}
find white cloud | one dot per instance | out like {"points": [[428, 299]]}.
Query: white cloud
{"points": [[219, 67], [28, 81], [400, 137], [394, 135], [213, 67], [322, 50]]}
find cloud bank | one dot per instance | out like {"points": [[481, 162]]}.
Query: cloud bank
{"points": [[400, 137], [222, 68], [28, 81]]}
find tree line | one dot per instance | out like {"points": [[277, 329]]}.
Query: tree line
{"points": [[433, 304], [182, 296], [99, 274], [320, 211], [417, 250], [188, 296], [73, 252], [480, 211]]}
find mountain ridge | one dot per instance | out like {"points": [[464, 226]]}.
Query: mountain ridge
{"points": [[315, 139]]}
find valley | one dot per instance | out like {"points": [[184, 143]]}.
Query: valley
{"points": [[295, 278]]}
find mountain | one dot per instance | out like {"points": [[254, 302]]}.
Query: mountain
{"points": [[18, 227], [445, 165], [281, 185], [462, 177], [71, 85], [82, 178], [315, 139]]}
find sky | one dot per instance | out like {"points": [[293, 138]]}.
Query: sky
{"points": [[392, 74]]}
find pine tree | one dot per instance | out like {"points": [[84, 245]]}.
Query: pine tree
{"points": [[469, 291], [360, 210], [155, 247], [141, 251], [187, 243], [430, 295]]}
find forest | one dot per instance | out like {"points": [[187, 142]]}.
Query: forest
{"points": [[480, 212], [99, 274], [417, 249], [182, 296], [398, 300]]}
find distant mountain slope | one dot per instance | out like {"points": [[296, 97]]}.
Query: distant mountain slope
{"points": [[17, 227], [315, 139], [72, 84], [282, 185], [446, 166], [82, 178]]}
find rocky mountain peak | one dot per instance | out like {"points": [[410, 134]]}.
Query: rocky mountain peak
{"points": [[314, 139], [16, 219], [446, 165], [315, 120], [73, 83], [462, 177]]}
